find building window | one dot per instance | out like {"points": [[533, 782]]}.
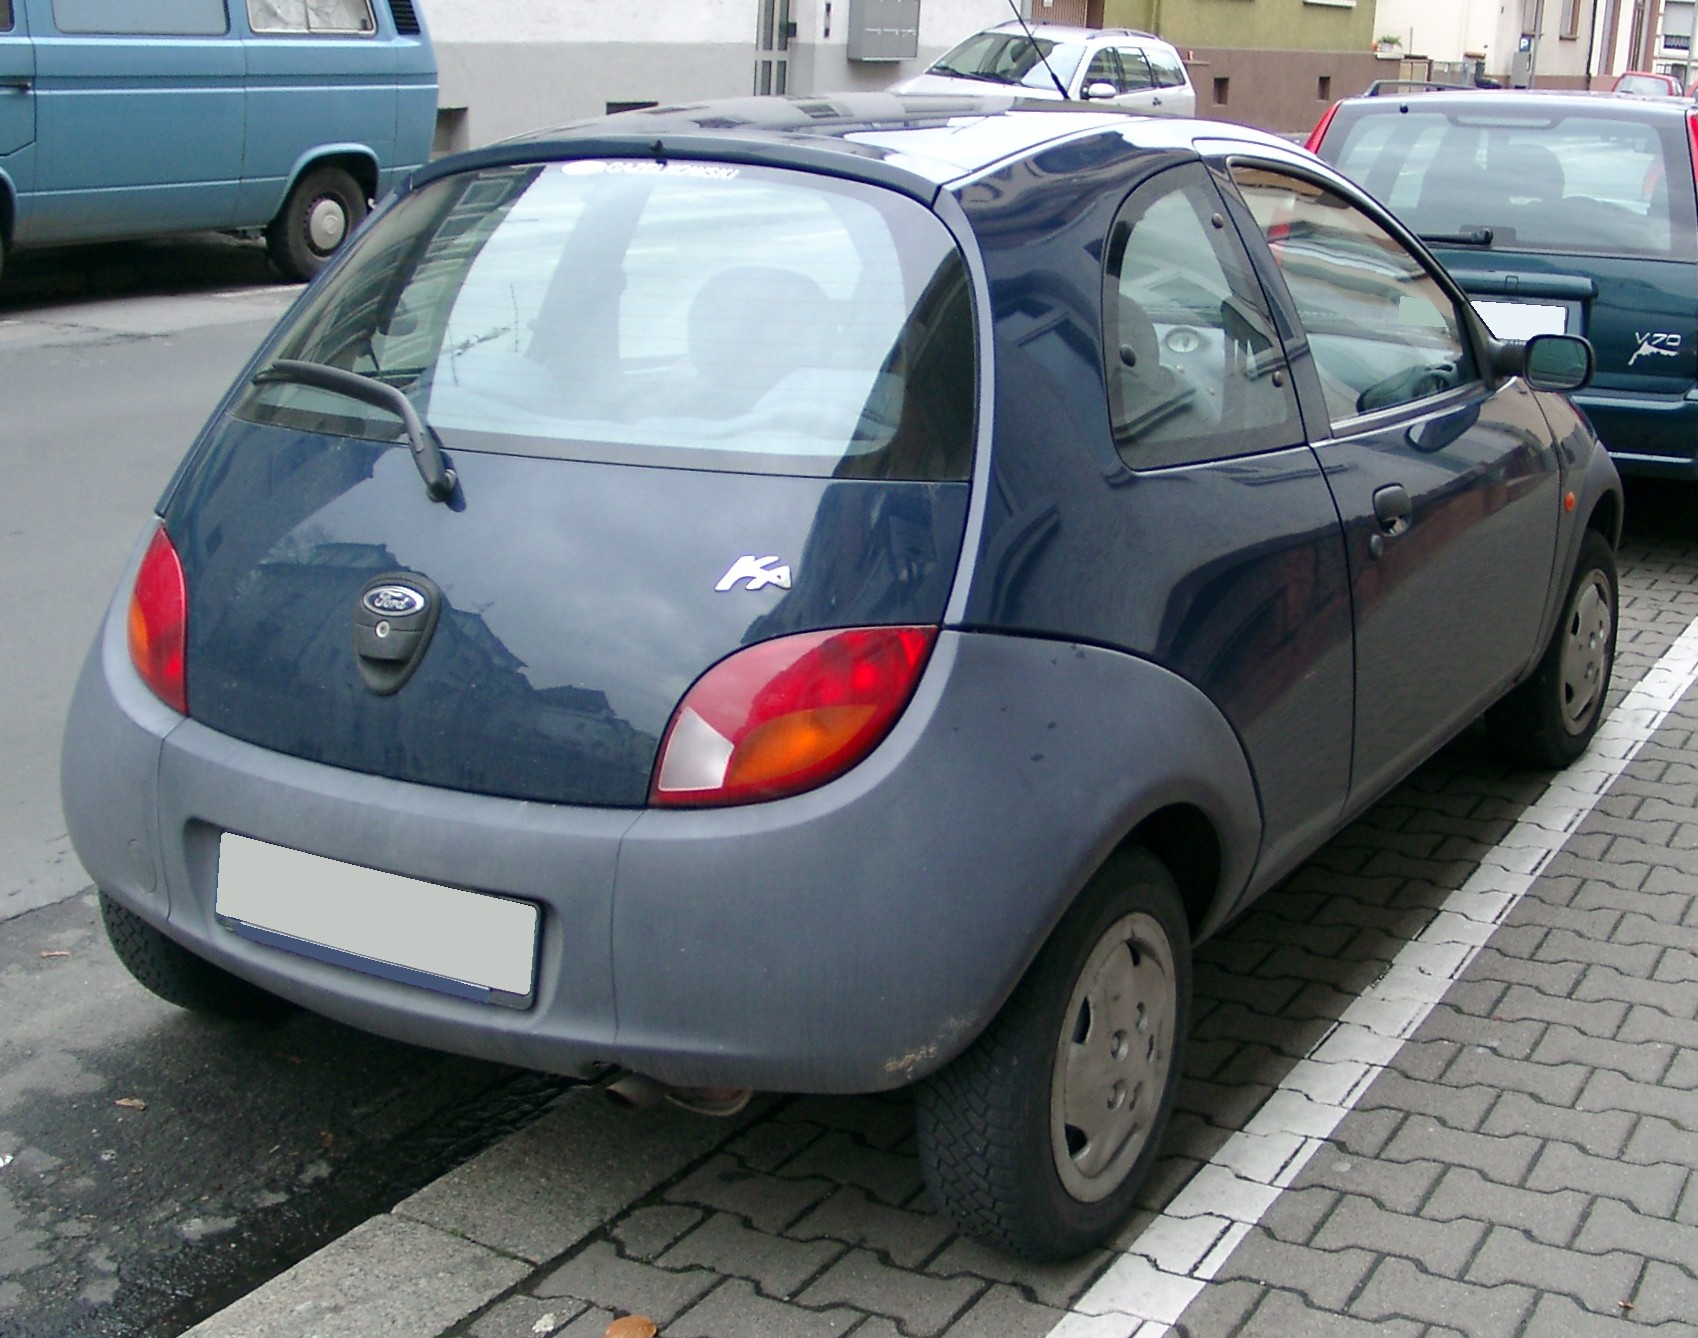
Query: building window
{"points": [[1570, 20]]}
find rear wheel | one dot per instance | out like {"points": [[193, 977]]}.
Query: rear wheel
{"points": [[323, 209], [177, 975], [1036, 1139], [1548, 720]]}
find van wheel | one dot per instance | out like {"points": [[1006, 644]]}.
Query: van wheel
{"points": [[325, 206], [177, 976], [1036, 1139], [1549, 720]]}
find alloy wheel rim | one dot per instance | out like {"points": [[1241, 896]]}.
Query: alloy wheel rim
{"points": [[1112, 1058], [1585, 653]]}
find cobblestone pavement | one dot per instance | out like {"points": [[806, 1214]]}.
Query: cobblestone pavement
{"points": [[1522, 1165]]}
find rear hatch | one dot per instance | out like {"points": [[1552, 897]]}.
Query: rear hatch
{"points": [[1553, 214], [690, 407]]}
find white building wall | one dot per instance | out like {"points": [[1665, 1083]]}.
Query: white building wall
{"points": [[1454, 30], [1438, 30], [506, 67]]}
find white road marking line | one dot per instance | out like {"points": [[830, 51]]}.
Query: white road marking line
{"points": [[1146, 1290]]}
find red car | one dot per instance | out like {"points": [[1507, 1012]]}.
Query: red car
{"points": [[1646, 84]]}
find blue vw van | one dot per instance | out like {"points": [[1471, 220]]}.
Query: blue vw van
{"points": [[135, 118]]}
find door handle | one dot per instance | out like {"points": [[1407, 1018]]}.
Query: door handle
{"points": [[14, 85], [1392, 508]]}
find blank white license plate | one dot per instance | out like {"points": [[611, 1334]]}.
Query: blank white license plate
{"points": [[462, 943], [1523, 320]]}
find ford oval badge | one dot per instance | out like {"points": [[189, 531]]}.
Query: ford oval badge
{"points": [[393, 601]]}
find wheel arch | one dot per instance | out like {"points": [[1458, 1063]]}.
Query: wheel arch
{"points": [[1606, 517], [1188, 843], [8, 211], [356, 160]]}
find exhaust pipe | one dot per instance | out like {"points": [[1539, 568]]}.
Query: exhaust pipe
{"points": [[633, 1092]]}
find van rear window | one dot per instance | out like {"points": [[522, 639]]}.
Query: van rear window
{"points": [[157, 18], [686, 314]]}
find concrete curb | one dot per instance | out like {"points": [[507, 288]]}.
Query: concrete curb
{"points": [[463, 1240]]}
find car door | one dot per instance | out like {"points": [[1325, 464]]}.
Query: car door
{"points": [[17, 86], [1227, 508], [139, 118], [1447, 482]]}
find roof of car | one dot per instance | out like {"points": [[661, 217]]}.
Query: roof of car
{"points": [[909, 140], [1072, 32]]}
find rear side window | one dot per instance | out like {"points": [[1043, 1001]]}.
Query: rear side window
{"points": [[1193, 354], [5, 15], [157, 18], [1166, 66], [1597, 183], [684, 314], [311, 16]]}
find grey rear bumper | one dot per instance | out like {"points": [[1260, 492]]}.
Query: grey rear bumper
{"points": [[849, 939]]}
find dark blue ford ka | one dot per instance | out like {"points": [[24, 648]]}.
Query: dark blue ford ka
{"points": [[832, 595]]}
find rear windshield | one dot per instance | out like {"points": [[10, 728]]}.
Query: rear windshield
{"points": [[1588, 182], [680, 314]]}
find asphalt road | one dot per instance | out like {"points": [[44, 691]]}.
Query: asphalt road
{"points": [[237, 1151]]}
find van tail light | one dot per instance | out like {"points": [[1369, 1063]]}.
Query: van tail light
{"points": [[786, 715], [1692, 140], [1313, 143], [159, 611]]}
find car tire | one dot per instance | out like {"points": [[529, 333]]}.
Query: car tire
{"points": [[1036, 1139], [321, 213], [178, 976], [1549, 720]]}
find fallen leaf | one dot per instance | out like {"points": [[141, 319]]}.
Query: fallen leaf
{"points": [[1624, 1305], [632, 1326], [131, 1103], [325, 1139], [55, 952]]}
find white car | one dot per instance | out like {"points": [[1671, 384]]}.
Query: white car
{"points": [[1130, 69]]}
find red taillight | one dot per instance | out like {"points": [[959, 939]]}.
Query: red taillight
{"points": [[1692, 141], [786, 715], [1313, 143], [159, 611]]}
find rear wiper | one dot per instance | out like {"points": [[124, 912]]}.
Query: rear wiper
{"points": [[427, 451], [1466, 237]]}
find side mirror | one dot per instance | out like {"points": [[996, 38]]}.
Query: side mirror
{"points": [[1558, 362], [1100, 91]]}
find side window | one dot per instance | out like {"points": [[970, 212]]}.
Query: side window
{"points": [[1382, 330], [1103, 69], [311, 16], [5, 15], [161, 18], [1195, 370], [1165, 64], [1135, 74]]}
